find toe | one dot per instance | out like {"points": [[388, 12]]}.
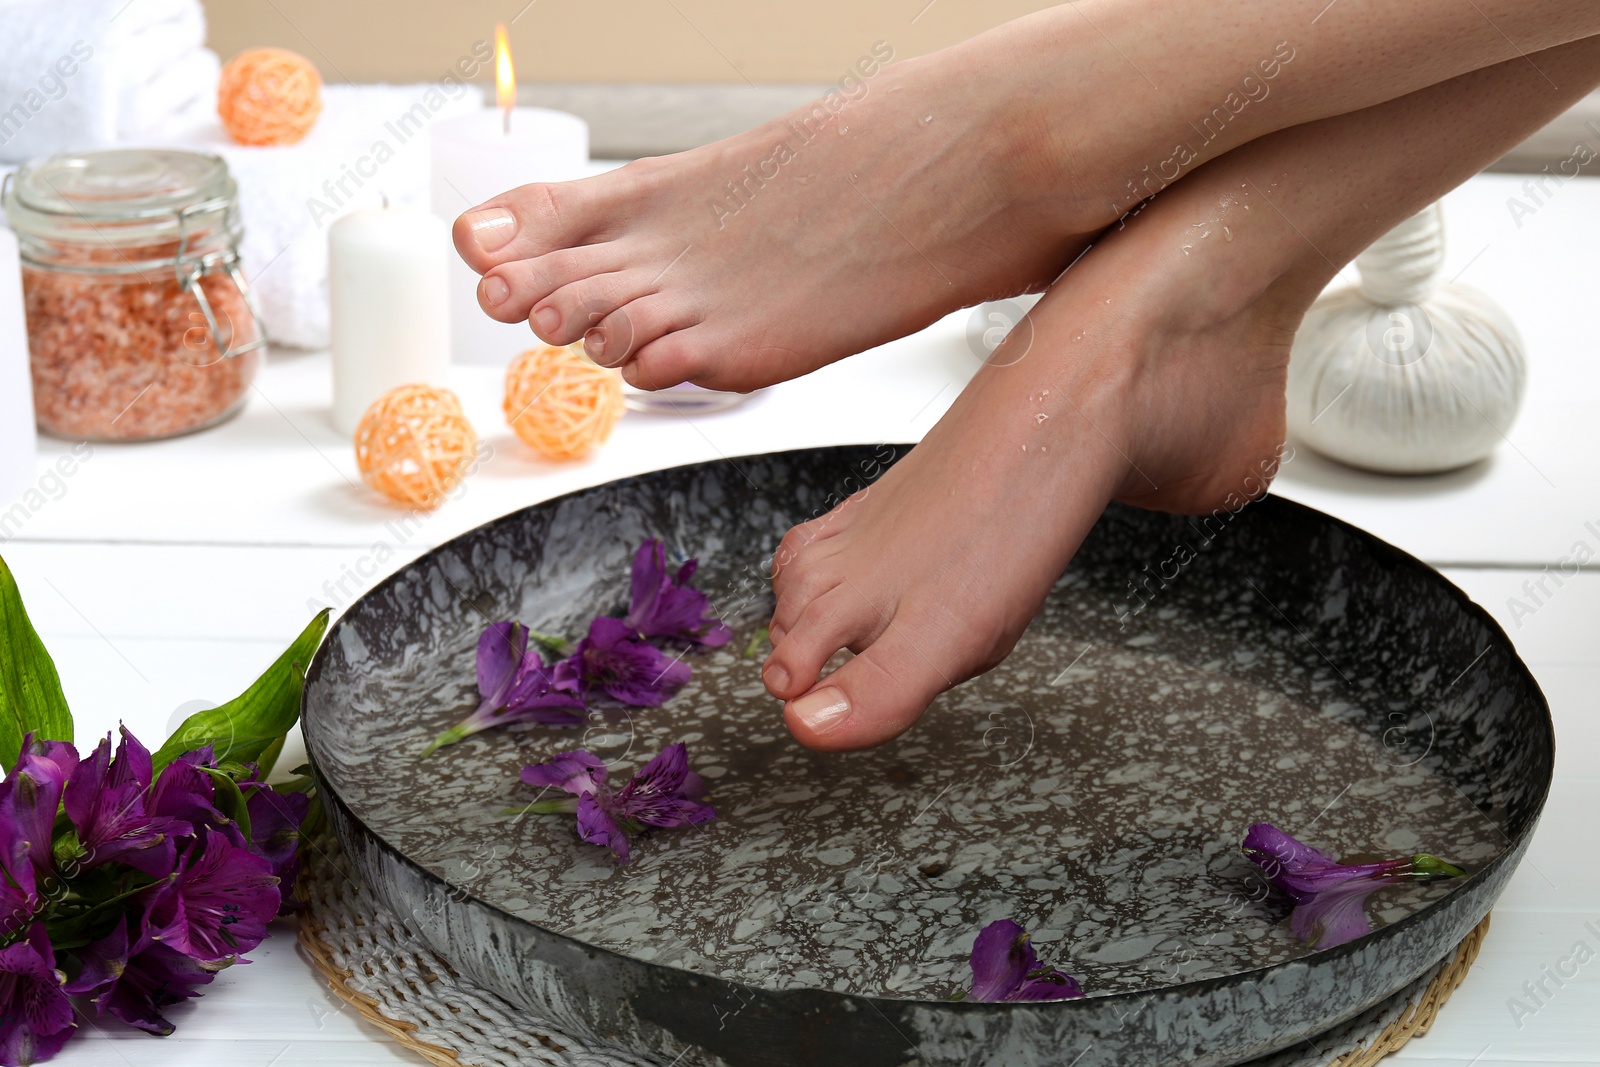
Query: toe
{"points": [[525, 282], [836, 620], [617, 336], [529, 221], [573, 310], [675, 358], [874, 698]]}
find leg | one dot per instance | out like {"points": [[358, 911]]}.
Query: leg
{"points": [[972, 173], [1156, 375]]}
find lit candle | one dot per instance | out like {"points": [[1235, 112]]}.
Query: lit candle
{"points": [[479, 156], [388, 309], [17, 434]]}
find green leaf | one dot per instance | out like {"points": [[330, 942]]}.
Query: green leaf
{"points": [[229, 798], [30, 689], [269, 757], [248, 726]]}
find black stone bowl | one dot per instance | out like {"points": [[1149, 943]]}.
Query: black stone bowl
{"points": [[1188, 676]]}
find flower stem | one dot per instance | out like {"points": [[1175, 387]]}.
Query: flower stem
{"points": [[565, 806], [449, 737]]}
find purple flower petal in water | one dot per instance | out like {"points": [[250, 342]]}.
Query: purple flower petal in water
{"points": [[501, 649], [577, 773], [1330, 897], [1005, 968], [133, 983], [520, 689], [218, 906], [540, 695], [35, 1014], [664, 605], [597, 826], [664, 794], [105, 799], [616, 661]]}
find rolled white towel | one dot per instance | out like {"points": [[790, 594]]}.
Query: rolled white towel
{"points": [[184, 89], [74, 73]]}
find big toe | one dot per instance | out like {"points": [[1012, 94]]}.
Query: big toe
{"points": [[521, 223], [874, 698]]}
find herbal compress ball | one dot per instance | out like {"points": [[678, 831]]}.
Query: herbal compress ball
{"points": [[1406, 373], [560, 402], [269, 96], [414, 445]]}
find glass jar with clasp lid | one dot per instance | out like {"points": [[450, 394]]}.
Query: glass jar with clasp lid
{"points": [[140, 323]]}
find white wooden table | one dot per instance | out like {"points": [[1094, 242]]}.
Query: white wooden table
{"points": [[171, 573]]}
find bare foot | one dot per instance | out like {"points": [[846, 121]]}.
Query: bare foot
{"points": [[971, 173], [772, 253], [1155, 375], [1148, 379]]}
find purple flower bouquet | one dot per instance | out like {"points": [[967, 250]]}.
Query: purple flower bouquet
{"points": [[129, 879]]}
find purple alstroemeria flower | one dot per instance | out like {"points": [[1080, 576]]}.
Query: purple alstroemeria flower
{"points": [[275, 820], [665, 793], [35, 1014], [31, 795], [614, 659], [1005, 967], [105, 799], [217, 905], [515, 685], [501, 649], [19, 889], [1330, 897], [664, 605], [185, 791], [134, 982]]}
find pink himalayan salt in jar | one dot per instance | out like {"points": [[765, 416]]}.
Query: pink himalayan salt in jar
{"points": [[140, 325]]}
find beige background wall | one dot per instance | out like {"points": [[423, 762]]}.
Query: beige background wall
{"points": [[604, 40]]}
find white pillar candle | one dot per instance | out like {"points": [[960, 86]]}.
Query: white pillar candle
{"points": [[388, 306], [476, 157], [18, 439]]}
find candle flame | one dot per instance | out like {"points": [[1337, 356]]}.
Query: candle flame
{"points": [[505, 78]]}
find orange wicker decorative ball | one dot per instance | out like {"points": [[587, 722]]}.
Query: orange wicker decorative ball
{"points": [[269, 96], [560, 402], [414, 444]]}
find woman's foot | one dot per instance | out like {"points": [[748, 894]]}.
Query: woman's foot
{"points": [[1155, 375], [769, 254], [974, 173], [1151, 377]]}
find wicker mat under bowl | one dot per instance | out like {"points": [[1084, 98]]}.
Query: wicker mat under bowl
{"points": [[378, 964]]}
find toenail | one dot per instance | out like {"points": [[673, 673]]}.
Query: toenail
{"points": [[630, 374], [777, 677], [548, 319], [495, 291], [594, 343], [823, 711], [492, 227]]}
